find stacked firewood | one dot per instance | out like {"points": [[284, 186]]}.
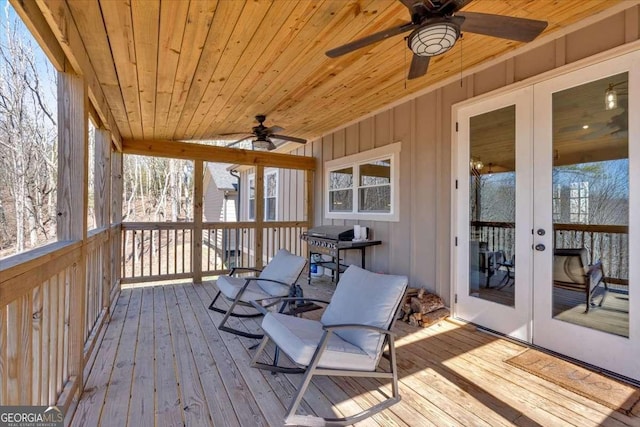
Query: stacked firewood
{"points": [[421, 308]]}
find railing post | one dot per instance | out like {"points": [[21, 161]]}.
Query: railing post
{"points": [[308, 197], [196, 239], [72, 204], [259, 218], [102, 206]]}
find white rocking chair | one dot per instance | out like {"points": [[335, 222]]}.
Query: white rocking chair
{"points": [[349, 340], [276, 280]]}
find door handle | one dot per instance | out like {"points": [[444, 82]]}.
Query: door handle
{"points": [[541, 232], [540, 247]]}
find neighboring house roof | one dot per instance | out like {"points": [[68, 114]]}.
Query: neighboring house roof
{"points": [[221, 176]]}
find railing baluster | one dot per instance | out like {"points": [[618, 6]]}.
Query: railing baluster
{"points": [[134, 250], [159, 246], [142, 253]]}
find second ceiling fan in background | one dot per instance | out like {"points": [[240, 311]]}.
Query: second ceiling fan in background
{"points": [[436, 26], [263, 136]]}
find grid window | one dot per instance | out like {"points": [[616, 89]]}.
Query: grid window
{"points": [[270, 196], [364, 185]]}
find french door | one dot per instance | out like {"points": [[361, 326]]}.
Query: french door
{"points": [[587, 192], [493, 225], [548, 214]]}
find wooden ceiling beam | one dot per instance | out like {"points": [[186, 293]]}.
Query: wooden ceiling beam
{"points": [[61, 24], [88, 19], [211, 153], [37, 24]]}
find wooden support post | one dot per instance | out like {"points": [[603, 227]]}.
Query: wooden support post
{"points": [[102, 181], [196, 240], [116, 187], [72, 204], [116, 216], [102, 205], [259, 218], [308, 198]]}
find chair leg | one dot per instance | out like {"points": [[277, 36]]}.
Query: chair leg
{"points": [[593, 291], [312, 369], [222, 311], [228, 313], [588, 296], [393, 368], [293, 407], [604, 295], [274, 366]]}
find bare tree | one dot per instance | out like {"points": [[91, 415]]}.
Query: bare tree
{"points": [[157, 189], [28, 140]]}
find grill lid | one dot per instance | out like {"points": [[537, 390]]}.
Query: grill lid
{"points": [[332, 232]]}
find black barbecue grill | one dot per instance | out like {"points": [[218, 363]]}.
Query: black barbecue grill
{"points": [[332, 240]]}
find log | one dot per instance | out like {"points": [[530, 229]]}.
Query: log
{"points": [[412, 292], [426, 304], [429, 319], [413, 320]]}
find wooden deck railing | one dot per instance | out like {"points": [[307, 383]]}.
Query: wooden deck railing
{"points": [[609, 243], [156, 251], [162, 251], [497, 235], [53, 303]]}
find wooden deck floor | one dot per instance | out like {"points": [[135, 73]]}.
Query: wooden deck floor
{"points": [[163, 362]]}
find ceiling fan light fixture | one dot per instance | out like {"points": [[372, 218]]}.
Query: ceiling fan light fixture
{"points": [[263, 144], [434, 39], [610, 98], [476, 164]]}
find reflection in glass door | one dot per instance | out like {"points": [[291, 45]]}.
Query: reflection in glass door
{"points": [[590, 202], [492, 205]]}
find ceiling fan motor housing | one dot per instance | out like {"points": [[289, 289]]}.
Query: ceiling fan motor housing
{"points": [[434, 38], [263, 143]]}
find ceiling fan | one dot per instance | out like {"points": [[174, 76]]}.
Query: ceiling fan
{"points": [[436, 26], [264, 134]]}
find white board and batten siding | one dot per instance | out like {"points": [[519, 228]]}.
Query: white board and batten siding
{"points": [[219, 202]]}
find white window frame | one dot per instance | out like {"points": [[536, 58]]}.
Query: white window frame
{"points": [[267, 173], [579, 202], [391, 152], [252, 178]]}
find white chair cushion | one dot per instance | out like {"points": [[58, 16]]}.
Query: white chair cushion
{"points": [[570, 266], [365, 298], [283, 267], [230, 286], [299, 338]]}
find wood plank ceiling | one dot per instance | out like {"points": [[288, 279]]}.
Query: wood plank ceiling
{"points": [[191, 70]]}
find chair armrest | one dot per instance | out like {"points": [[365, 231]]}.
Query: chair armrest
{"points": [[263, 304], [595, 273], [358, 326], [594, 267], [268, 302], [262, 279], [234, 269]]}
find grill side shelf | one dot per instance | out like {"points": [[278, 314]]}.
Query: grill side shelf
{"points": [[335, 248]]}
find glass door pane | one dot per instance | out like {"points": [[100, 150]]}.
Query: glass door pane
{"points": [[492, 205], [590, 205]]}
